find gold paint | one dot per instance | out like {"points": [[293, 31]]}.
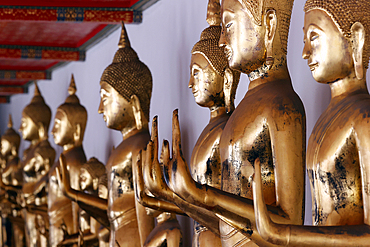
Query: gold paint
{"points": [[68, 132], [338, 147], [10, 182], [269, 123], [126, 87], [89, 180], [213, 84], [36, 162]]}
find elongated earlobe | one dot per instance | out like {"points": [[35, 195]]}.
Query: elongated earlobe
{"points": [[77, 134], [136, 108], [270, 24], [358, 41], [228, 85]]}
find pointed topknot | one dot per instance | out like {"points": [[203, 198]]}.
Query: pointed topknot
{"points": [[214, 13], [37, 90], [10, 122], [124, 41], [72, 86]]}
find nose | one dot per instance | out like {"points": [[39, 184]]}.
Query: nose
{"points": [[100, 109], [222, 41], [306, 50], [191, 81], [53, 129]]}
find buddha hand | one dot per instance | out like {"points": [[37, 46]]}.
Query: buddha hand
{"points": [[152, 171], [176, 170]]}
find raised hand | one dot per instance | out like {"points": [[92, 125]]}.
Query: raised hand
{"points": [[152, 171], [62, 175], [176, 170]]}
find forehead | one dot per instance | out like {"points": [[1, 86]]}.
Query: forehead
{"points": [[319, 19], [199, 59], [60, 115]]}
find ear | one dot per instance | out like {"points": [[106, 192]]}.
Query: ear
{"points": [[77, 134], [42, 132], [270, 22], [228, 85], [358, 41], [136, 108], [14, 151]]}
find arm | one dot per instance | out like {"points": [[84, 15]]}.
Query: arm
{"points": [[305, 236], [93, 205], [178, 178]]}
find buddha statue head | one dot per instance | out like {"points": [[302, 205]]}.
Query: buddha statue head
{"points": [[90, 172], [255, 34], [70, 120], [36, 118], [336, 35], [10, 140], [212, 82], [126, 88]]}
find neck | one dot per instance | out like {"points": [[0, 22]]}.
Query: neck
{"points": [[217, 111], [347, 86], [278, 71], [130, 131], [68, 147]]}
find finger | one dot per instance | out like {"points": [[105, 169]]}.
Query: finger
{"points": [[165, 153], [154, 136], [58, 176], [166, 161], [148, 164], [176, 135], [137, 175]]}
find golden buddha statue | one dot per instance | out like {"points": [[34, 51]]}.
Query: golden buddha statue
{"points": [[213, 84], [126, 87], [68, 132], [10, 184], [34, 128], [337, 49], [90, 173], [11, 172], [269, 123]]}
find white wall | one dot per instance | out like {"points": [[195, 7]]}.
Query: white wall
{"points": [[163, 42]]}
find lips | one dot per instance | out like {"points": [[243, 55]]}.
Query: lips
{"points": [[228, 52], [313, 66], [195, 93]]}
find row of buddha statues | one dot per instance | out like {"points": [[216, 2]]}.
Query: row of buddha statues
{"points": [[245, 183]]}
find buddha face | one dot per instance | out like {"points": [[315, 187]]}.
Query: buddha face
{"points": [[6, 147], [328, 52], [242, 39], [117, 111], [206, 84], [28, 128], [86, 181], [62, 130]]}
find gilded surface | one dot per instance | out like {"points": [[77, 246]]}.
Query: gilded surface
{"points": [[269, 124], [126, 87], [337, 53]]}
